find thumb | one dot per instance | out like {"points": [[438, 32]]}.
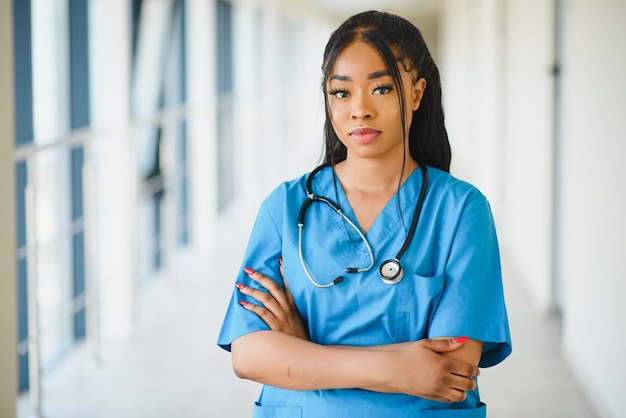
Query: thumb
{"points": [[445, 345]]}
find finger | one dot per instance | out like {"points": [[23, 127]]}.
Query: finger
{"points": [[262, 297], [272, 287], [453, 389], [262, 313], [465, 370], [445, 345], [455, 395], [462, 383], [461, 369], [447, 395], [451, 365]]}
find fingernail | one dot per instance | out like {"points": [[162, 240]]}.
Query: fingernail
{"points": [[280, 261], [460, 340], [243, 303], [240, 286], [249, 271]]}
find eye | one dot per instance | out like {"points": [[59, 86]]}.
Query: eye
{"points": [[382, 89], [338, 93]]}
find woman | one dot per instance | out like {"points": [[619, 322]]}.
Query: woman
{"points": [[389, 299]]}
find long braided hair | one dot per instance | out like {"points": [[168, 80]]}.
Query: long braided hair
{"points": [[399, 42]]}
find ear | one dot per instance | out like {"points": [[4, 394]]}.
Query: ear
{"points": [[417, 92]]}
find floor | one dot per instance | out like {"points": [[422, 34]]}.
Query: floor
{"points": [[172, 367]]}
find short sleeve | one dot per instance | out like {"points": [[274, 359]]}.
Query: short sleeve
{"points": [[262, 254], [472, 302]]}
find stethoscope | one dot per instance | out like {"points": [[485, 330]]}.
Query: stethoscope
{"points": [[390, 270]]}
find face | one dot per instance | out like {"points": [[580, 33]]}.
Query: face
{"points": [[363, 103]]}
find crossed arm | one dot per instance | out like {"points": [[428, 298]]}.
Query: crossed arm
{"points": [[441, 369]]}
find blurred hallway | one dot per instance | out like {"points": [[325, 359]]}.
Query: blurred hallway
{"points": [[173, 368], [142, 134]]}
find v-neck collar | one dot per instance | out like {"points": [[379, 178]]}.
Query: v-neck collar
{"points": [[389, 222]]}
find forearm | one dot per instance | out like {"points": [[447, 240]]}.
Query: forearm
{"points": [[416, 368], [469, 353], [281, 360]]}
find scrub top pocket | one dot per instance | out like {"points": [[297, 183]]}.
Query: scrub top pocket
{"points": [[480, 412], [276, 411], [417, 298]]}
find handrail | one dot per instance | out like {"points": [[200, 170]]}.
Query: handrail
{"points": [[27, 153]]}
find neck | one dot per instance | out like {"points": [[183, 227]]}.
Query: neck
{"points": [[373, 175]]}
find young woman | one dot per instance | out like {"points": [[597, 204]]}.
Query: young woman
{"points": [[372, 286]]}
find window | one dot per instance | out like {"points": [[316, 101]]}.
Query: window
{"points": [[225, 106]]}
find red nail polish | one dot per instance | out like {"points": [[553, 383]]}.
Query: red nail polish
{"points": [[240, 286], [249, 271], [280, 261], [460, 340], [243, 303]]}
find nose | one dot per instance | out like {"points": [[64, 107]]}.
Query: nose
{"points": [[362, 107]]}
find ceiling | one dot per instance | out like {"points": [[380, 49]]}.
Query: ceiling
{"points": [[409, 9], [422, 13]]}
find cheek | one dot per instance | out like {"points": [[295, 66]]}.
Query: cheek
{"points": [[337, 116], [336, 111], [338, 131]]}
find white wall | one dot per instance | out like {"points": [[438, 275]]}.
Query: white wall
{"points": [[496, 64], [528, 144], [594, 200], [114, 178], [201, 114], [496, 61], [278, 102], [115, 155], [472, 80]]}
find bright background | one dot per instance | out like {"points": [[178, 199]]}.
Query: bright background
{"points": [[144, 134]]}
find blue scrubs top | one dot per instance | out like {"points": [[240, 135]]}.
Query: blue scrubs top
{"points": [[452, 286]]}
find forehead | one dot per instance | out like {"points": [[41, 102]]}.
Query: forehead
{"points": [[358, 57]]}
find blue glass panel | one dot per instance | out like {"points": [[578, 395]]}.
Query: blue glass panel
{"points": [[182, 203], [224, 47], [20, 203], [78, 264], [79, 64], [184, 218], [78, 244], [22, 294], [135, 13], [183, 53], [23, 70], [22, 322], [157, 198], [77, 157]]}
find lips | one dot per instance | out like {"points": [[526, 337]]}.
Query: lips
{"points": [[364, 135]]}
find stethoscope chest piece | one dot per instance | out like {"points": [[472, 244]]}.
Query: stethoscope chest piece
{"points": [[390, 271]]}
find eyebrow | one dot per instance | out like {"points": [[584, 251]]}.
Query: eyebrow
{"points": [[372, 76]]}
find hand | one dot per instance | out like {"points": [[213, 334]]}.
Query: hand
{"points": [[419, 369], [278, 308]]}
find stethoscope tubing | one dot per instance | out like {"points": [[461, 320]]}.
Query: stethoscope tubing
{"points": [[311, 197]]}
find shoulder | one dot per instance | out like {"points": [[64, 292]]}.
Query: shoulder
{"points": [[320, 184], [453, 193], [286, 192], [446, 186]]}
